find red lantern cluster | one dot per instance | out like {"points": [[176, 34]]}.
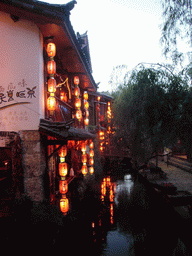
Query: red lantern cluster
{"points": [[63, 168], [86, 105], [91, 159], [84, 159], [51, 71], [78, 112]]}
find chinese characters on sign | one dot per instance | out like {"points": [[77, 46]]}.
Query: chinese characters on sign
{"points": [[11, 93]]}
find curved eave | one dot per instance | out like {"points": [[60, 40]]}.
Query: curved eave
{"points": [[54, 22]]}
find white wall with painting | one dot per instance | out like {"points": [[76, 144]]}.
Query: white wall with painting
{"points": [[22, 80]]}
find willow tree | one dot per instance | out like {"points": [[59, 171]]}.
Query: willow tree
{"points": [[177, 26], [147, 111]]}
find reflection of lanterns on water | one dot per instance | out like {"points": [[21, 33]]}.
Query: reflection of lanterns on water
{"points": [[111, 194], [111, 213], [64, 205], [108, 181], [63, 187]]}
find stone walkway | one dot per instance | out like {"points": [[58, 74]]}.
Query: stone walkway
{"points": [[181, 179]]}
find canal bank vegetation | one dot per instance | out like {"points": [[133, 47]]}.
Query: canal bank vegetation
{"points": [[152, 109]]}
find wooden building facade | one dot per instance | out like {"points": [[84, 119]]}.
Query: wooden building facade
{"points": [[47, 98]]}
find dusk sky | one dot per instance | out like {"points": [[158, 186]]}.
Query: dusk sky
{"points": [[119, 32]]}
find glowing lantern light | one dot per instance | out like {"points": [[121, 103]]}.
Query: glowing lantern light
{"points": [[108, 181], [98, 98], [86, 113], [62, 151], [91, 170], [86, 104], [51, 103], [86, 121], [64, 205], [76, 80], [63, 96], [78, 114], [77, 102], [91, 145], [84, 158], [91, 161], [85, 95], [51, 67], [63, 187], [84, 169], [63, 169], [52, 85], [51, 49], [83, 147], [77, 91], [91, 153]]}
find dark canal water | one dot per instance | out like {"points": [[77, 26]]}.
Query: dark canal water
{"points": [[103, 218]]}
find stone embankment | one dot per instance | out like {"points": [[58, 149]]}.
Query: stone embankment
{"points": [[179, 172]]}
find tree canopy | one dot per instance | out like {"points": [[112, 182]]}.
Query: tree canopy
{"points": [[148, 110], [177, 16]]}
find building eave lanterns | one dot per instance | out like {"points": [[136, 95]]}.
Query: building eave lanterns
{"points": [[91, 159], [78, 112], [51, 71]]}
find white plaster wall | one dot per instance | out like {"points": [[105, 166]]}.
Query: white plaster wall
{"points": [[21, 79]]}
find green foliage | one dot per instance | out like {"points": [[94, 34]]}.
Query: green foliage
{"points": [[147, 111]]}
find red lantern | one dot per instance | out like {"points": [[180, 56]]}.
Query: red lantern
{"points": [[51, 103], [91, 145], [63, 187], [91, 170], [86, 113], [51, 49], [78, 114], [84, 169], [91, 161], [86, 121], [64, 205], [63, 96], [62, 152], [83, 147], [77, 91], [91, 153], [77, 102], [84, 158], [85, 96], [51, 67], [98, 98], [86, 104], [76, 80], [63, 169], [51, 85]]}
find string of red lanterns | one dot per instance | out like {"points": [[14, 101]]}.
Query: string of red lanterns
{"points": [[51, 70], [91, 155], [78, 112], [86, 105]]}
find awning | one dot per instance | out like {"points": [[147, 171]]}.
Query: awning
{"points": [[63, 131]]}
